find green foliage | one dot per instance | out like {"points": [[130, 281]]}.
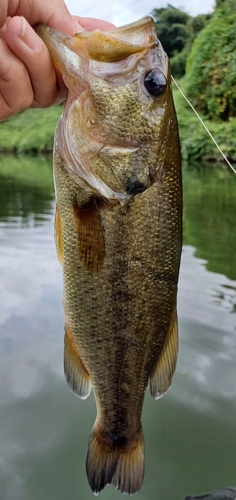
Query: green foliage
{"points": [[211, 65], [171, 29], [176, 30], [218, 3], [30, 131], [178, 62], [193, 26], [195, 142], [196, 24]]}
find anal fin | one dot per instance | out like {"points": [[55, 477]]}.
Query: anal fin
{"points": [[76, 374], [160, 380], [91, 240]]}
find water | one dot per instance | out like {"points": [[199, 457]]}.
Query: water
{"points": [[44, 429]]}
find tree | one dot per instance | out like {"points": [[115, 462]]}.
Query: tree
{"points": [[218, 3], [171, 29], [211, 65], [176, 30]]}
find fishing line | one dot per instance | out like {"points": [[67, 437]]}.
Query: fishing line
{"points": [[202, 122]]}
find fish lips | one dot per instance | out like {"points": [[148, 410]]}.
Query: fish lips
{"points": [[74, 55]]}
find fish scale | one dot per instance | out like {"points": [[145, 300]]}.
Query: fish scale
{"points": [[118, 230]]}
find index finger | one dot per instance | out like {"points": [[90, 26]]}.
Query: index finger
{"points": [[91, 23], [3, 12]]}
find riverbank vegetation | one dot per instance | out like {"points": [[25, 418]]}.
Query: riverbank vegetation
{"points": [[196, 144], [205, 66], [30, 132]]}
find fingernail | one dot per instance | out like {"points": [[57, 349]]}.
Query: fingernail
{"points": [[28, 36], [23, 27], [78, 28]]}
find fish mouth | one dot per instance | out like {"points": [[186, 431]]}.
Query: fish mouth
{"points": [[95, 51], [117, 44], [102, 46]]}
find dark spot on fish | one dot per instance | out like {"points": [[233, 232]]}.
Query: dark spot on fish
{"points": [[119, 441], [155, 82], [135, 187], [113, 439]]}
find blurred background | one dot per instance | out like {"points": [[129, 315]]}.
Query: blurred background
{"points": [[123, 12], [190, 434]]}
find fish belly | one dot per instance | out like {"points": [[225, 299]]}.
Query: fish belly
{"points": [[120, 266]]}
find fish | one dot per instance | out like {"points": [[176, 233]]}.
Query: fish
{"points": [[118, 233], [222, 494]]}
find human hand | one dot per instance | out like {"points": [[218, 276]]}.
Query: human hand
{"points": [[27, 76]]}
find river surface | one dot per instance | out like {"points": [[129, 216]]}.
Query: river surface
{"points": [[190, 434]]}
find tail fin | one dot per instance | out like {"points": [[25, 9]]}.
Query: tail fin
{"points": [[121, 466]]}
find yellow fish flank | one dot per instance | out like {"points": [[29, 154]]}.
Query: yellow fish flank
{"points": [[117, 172]]}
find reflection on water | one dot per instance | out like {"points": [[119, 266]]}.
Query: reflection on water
{"points": [[209, 217], [191, 432], [226, 297], [26, 186]]}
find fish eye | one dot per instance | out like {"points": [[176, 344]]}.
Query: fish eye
{"points": [[155, 82]]}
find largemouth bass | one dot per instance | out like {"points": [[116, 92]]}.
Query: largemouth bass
{"points": [[117, 170]]}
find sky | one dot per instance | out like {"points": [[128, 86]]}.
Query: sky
{"points": [[126, 11]]}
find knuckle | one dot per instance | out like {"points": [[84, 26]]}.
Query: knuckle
{"points": [[6, 68], [14, 100], [43, 99]]}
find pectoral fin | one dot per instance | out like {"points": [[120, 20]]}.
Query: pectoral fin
{"points": [[160, 380], [90, 236], [76, 374]]}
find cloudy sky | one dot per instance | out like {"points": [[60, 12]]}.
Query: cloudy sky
{"points": [[125, 11]]}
